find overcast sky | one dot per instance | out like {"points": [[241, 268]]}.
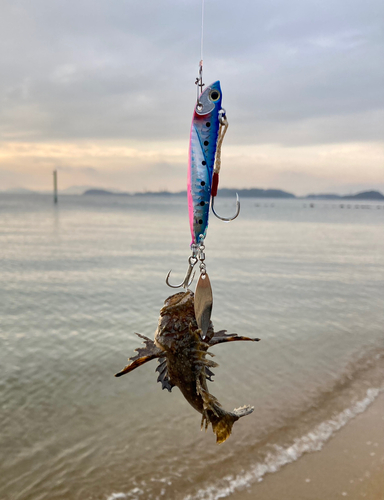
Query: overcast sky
{"points": [[104, 92]]}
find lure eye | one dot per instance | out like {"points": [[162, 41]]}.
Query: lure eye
{"points": [[214, 95]]}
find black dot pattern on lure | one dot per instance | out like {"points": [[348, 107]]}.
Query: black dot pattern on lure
{"points": [[200, 221], [203, 183], [203, 162], [208, 124], [206, 143], [202, 203]]}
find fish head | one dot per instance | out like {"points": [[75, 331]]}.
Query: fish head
{"points": [[180, 302], [176, 316], [209, 100]]}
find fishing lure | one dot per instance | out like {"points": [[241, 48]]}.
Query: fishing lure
{"points": [[209, 125], [207, 117]]}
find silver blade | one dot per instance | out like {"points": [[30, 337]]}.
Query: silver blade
{"points": [[203, 303]]}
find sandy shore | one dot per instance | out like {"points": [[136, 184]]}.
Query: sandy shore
{"points": [[350, 465]]}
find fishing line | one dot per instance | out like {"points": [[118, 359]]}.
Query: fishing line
{"points": [[199, 79], [202, 32]]}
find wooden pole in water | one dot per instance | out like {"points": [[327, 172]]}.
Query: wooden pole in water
{"points": [[55, 186]]}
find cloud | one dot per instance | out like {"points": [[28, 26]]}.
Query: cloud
{"points": [[293, 74]]}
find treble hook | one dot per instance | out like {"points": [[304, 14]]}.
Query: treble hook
{"points": [[224, 218], [187, 280]]}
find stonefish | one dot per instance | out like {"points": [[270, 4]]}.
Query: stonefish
{"points": [[182, 357]]}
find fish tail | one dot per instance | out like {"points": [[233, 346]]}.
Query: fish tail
{"points": [[222, 424], [222, 421]]}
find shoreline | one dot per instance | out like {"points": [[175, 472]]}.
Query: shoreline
{"points": [[349, 465]]}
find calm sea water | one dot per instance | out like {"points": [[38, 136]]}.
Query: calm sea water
{"points": [[78, 279]]}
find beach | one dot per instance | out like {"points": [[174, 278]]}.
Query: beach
{"points": [[349, 465]]}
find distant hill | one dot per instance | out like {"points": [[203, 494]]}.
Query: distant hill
{"points": [[75, 189], [365, 195], [323, 196], [229, 192], [224, 192], [103, 192], [250, 193], [161, 193], [255, 193]]}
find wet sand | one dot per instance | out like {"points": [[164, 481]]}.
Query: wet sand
{"points": [[350, 465]]}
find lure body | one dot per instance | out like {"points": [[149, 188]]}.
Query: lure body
{"points": [[202, 151]]}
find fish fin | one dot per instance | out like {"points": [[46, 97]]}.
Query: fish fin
{"points": [[243, 411], [164, 375], [221, 420], [200, 354], [144, 354], [222, 427], [221, 337], [209, 374]]}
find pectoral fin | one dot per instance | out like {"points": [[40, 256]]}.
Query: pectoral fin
{"points": [[164, 375], [221, 337], [144, 354]]}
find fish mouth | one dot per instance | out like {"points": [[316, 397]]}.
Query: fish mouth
{"points": [[179, 299]]}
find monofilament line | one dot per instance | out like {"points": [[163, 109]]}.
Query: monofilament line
{"points": [[202, 31]]}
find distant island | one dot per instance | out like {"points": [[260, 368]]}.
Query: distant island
{"points": [[244, 193], [256, 193], [365, 195], [249, 193]]}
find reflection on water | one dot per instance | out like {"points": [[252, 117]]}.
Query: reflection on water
{"points": [[79, 279]]}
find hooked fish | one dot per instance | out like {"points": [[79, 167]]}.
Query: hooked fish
{"points": [[182, 358]]}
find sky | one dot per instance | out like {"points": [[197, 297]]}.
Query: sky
{"points": [[103, 91]]}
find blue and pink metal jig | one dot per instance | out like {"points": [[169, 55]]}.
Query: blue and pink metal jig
{"points": [[209, 124]]}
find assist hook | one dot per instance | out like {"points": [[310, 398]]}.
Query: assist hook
{"points": [[215, 179], [225, 219]]}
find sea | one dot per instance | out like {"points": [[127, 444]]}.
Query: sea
{"points": [[80, 278]]}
